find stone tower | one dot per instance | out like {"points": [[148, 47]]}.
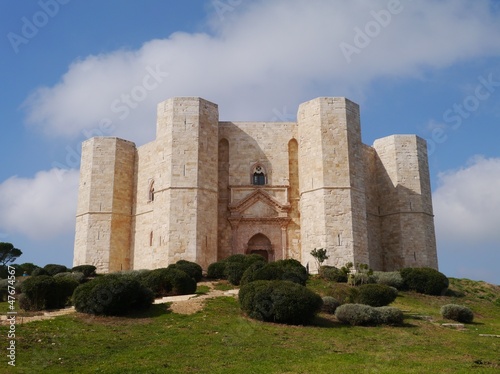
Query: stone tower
{"points": [[405, 203], [332, 190], [104, 212], [176, 187]]}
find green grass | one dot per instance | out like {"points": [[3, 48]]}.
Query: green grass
{"points": [[202, 290], [219, 339], [224, 286]]}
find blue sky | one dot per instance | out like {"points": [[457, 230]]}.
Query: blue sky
{"points": [[70, 69]]}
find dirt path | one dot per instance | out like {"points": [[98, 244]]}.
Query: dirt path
{"points": [[189, 304]]}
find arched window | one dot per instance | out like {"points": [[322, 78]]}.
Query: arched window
{"points": [[151, 194], [258, 175]]}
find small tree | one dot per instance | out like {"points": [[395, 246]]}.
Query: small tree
{"points": [[8, 253], [362, 275], [319, 255]]}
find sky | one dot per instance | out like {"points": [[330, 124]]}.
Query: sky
{"points": [[73, 69]]}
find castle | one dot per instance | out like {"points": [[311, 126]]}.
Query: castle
{"points": [[205, 189]]}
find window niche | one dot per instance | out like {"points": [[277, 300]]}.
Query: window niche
{"points": [[151, 191], [259, 177]]}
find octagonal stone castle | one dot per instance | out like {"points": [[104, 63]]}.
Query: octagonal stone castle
{"points": [[205, 189]]}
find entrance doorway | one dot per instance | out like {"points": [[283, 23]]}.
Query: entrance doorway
{"points": [[261, 245]]}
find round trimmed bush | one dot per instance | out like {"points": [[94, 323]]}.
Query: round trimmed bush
{"points": [[63, 290], [28, 267], [357, 314], [158, 281], [290, 270], [252, 259], [216, 270], [332, 274], [343, 293], [87, 270], [330, 305], [46, 292], [191, 268], [389, 278], [388, 315], [182, 283], [112, 294], [4, 294], [457, 313], [38, 271], [77, 276], [424, 280], [375, 294], [53, 269], [279, 301], [233, 267], [234, 271], [37, 292]]}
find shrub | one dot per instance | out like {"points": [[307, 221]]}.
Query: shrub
{"points": [[252, 259], [87, 270], [36, 292], [216, 270], [4, 284], [375, 294], [329, 305], [343, 293], [168, 281], [112, 295], [182, 283], [38, 271], [234, 271], [424, 280], [389, 278], [235, 258], [158, 281], [46, 292], [53, 269], [388, 315], [332, 274], [77, 276], [279, 301], [356, 279], [357, 314], [28, 267], [63, 290], [138, 275], [365, 315], [457, 313], [191, 268], [290, 270]]}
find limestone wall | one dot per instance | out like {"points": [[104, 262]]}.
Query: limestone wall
{"points": [[372, 198], [266, 144]]}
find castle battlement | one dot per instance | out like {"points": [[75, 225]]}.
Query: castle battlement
{"points": [[206, 189]]}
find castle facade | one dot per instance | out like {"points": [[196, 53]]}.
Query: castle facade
{"points": [[204, 189]]}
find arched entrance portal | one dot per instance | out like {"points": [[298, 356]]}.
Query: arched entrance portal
{"points": [[261, 245]]}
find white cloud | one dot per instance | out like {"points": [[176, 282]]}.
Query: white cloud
{"points": [[41, 207], [466, 204], [263, 55]]}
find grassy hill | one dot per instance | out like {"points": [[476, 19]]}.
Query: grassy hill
{"points": [[219, 339]]}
